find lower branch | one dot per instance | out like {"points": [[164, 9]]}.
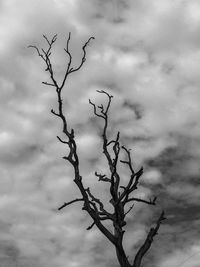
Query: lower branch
{"points": [[147, 244]]}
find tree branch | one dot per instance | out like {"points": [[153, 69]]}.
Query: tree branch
{"points": [[101, 210], [84, 55], [147, 244], [150, 202], [102, 177], [71, 70], [46, 83], [70, 202], [90, 227], [131, 186]]}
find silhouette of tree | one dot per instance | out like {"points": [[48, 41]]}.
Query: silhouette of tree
{"points": [[121, 195]]}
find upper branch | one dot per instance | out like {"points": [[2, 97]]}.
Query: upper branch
{"points": [[102, 112], [45, 55], [84, 54], [69, 68], [134, 178]]}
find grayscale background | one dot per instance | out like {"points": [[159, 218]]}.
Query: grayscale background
{"points": [[147, 54]]}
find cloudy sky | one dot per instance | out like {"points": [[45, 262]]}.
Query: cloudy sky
{"points": [[146, 54]]}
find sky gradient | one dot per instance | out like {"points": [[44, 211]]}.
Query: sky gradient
{"points": [[147, 55]]}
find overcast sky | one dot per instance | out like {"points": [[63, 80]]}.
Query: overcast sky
{"points": [[147, 55]]}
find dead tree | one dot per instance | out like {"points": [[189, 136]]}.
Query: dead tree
{"points": [[121, 195]]}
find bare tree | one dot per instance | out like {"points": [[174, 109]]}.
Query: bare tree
{"points": [[121, 195]]}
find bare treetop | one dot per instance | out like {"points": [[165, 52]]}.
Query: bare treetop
{"points": [[122, 196]]}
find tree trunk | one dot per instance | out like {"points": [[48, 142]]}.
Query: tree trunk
{"points": [[121, 256]]}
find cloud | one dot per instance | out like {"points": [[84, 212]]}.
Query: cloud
{"points": [[153, 176], [179, 258], [146, 55]]}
